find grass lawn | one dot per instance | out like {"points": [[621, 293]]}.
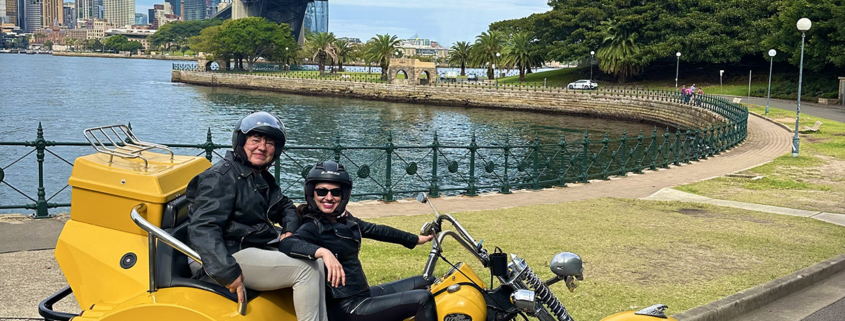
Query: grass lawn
{"points": [[813, 181], [636, 253]]}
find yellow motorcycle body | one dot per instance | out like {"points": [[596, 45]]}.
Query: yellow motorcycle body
{"points": [[105, 255]]}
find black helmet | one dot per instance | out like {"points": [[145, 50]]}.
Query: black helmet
{"points": [[328, 172], [258, 123]]}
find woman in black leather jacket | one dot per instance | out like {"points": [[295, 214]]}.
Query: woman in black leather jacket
{"points": [[329, 232]]}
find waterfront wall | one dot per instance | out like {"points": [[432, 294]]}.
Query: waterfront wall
{"points": [[110, 55], [640, 107]]}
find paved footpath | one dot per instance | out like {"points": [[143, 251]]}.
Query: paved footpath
{"points": [[833, 112], [32, 275]]}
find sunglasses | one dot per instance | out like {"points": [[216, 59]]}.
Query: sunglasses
{"points": [[336, 192]]}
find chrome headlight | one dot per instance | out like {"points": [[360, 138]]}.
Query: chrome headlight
{"points": [[523, 300], [567, 264]]}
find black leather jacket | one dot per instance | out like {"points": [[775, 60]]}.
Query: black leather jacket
{"points": [[342, 238], [228, 213]]}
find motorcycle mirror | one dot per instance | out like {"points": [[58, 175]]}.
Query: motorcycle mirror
{"points": [[566, 264], [423, 198]]}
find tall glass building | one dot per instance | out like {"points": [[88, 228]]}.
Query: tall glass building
{"points": [[316, 17]]}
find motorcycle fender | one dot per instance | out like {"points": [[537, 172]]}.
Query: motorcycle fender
{"points": [[630, 316]]}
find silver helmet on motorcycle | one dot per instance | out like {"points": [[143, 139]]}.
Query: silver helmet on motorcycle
{"points": [[261, 123]]}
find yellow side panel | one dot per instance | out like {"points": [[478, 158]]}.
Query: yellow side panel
{"points": [[187, 304], [468, 300], [89, 256], [630, 316]]}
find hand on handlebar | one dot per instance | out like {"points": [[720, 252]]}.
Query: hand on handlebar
{"points": [[424, 238], [334, 270]]}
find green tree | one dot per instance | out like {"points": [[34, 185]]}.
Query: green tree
{"points": [[178, 32], [48, 44], [382, 47], [344, 52], [322, 47], [825, 41], [519, 52], [617, 56], [132, 46], [252, 38], [487, 45], [459, 55], [116, 42]]}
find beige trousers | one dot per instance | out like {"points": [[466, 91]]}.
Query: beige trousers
{"points": [[266, 270]]}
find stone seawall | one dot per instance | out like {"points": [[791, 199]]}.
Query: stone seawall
{"points": [[109, 55], [603, 105]]}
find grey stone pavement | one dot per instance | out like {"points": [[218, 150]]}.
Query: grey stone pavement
{"points": [[30, 273]]}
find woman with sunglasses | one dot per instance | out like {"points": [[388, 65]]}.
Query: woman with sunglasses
{"points": [[331, 233]]}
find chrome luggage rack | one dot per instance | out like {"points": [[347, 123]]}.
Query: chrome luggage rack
{"points": [[125, 146]]}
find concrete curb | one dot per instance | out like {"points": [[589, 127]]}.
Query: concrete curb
{"points": [[772, 121], [738, 304]]}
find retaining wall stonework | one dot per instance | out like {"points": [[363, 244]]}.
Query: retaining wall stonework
{"points": [[603, 105]]}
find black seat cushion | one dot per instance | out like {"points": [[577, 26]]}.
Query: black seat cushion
{"points": [[172, 269], [175, 212]]}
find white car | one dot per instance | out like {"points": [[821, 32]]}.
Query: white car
{"points": [[582, 84]]}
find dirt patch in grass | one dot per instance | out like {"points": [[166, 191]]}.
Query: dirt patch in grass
{"points": [[784, 120], [813, 139]]}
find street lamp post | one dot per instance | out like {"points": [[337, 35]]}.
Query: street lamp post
{"points": [[677, 67], [721, 72], [592, 54], [772, 54], [494, 66], [287, 58], [803, 25]]}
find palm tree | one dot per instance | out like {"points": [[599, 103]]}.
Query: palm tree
{"points": [[519, 52], [486, 46], [618, 51], [459, 55], [381, 50], [322, 46], [344, 53]]}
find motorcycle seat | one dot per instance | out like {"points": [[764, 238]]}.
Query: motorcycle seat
{"points": [[172, 269]]}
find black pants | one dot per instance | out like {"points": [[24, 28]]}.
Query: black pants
{"points": [[394, 301]]}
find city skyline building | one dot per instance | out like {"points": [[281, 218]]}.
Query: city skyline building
{"points": [[316, 18], [119, 12], [85, 9], [141, 19], [69, 12], [194, 10], [52, 13], [177, 6], [11, 11], [20, 12], [33, 17]]}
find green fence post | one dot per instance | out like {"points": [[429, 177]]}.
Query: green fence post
{"points": [[434, 189], [388, 195], [687, 148], [711, 140], [653, 147], [665, 145], [563, 160], [472, 148], [209, 145], [40, 146], [506, 187], [623, 146], [338, 149], [697, 144], [536, 147], [584, 157], [640, 154], [677, 146], [604, 147]]}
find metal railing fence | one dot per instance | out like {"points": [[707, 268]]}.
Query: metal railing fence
{"points": [[392, 170]]}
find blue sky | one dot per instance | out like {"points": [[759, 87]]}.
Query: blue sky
{"points": [[445, 21]]}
